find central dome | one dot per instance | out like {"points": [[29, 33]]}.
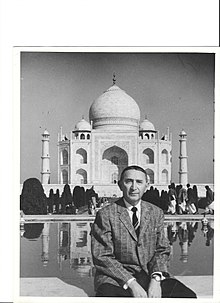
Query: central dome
{"points": [[114, 109]]}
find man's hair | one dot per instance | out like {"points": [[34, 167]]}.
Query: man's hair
{"points": [[133, 167]]}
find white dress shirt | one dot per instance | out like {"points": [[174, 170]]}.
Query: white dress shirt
{"points": [[130, 212]]}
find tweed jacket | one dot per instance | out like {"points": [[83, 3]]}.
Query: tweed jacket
{"points": [[117, 252]]}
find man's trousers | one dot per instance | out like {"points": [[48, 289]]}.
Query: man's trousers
{"points": [[171, 288]]}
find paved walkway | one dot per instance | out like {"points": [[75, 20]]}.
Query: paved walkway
{"points": [[54, 287]]}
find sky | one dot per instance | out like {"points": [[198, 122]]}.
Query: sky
{"points": [[174, 90]]}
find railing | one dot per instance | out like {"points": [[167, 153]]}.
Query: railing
{"points": [[90, 218]]}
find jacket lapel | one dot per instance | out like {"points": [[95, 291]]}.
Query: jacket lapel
{"points": [[125, 219]]}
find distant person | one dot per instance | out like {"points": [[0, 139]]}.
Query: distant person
{"points": [[209, 234], [100, 202], [190, 202], [172, 232], [91, 207], [164, 201], [171, 199], [196, 198], [182, 197], [177, 192], [129, 247], [192, 228], [209, 200]]}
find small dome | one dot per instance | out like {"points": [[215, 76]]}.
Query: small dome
{"points": [[114, 109], [182, 133], [46, 132], [83, 125], [147, 125]]}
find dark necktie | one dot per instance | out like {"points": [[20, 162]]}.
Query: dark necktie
{"points": [[135, 220]]}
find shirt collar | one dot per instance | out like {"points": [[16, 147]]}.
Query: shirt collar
{"points": [[129, 206]]}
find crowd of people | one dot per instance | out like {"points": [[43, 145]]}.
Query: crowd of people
{"points": [[179, 199], [95, 204]]}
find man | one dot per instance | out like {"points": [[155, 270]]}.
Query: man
{"points": [[182, 197], [190, 204], [172, 199], [129, 249], [209, 209]]}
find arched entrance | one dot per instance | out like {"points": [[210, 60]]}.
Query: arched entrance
{"points": [[81, 156], [148, 156], [150, 174], [165, 176], [114, 160], [164, 158], [64, 159], [81, 176]]}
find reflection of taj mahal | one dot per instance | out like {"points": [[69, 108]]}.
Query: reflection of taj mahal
{"points": [[97, 152], [74, 244]]}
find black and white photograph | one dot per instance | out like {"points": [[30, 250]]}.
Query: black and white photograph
{"points": [[117, 189], [110, 150]]}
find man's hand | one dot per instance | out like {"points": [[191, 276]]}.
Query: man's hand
{"points": [[137, 290], [154, 289]]}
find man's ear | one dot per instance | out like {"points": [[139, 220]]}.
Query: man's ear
{"points": [[147, 184]]}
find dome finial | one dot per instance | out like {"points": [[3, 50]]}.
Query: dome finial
{"points": [[145, 116], [83, 117], [114, 79]]}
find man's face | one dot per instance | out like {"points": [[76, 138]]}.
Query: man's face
{"points": [[133, 185]]}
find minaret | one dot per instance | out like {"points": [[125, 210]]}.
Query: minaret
{"points": [[45, 173], [183, 173], [183, 236]]}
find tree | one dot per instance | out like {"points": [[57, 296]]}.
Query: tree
{"points": [[66, 194], [89, 194], [66, 198], [33, 230], [33, 200], [50, 201], [82, 196], [77, 197], [63, 204]]}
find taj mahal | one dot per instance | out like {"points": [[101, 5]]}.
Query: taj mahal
{"points": [[97, 151]]}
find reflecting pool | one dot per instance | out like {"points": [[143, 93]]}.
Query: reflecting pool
{"points": [[63, 250]]}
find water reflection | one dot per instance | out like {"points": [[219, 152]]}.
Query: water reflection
{"points": [[32, 231], [185, 233], [74, 241], [208, 231], [45, 243], [74, 245]]}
